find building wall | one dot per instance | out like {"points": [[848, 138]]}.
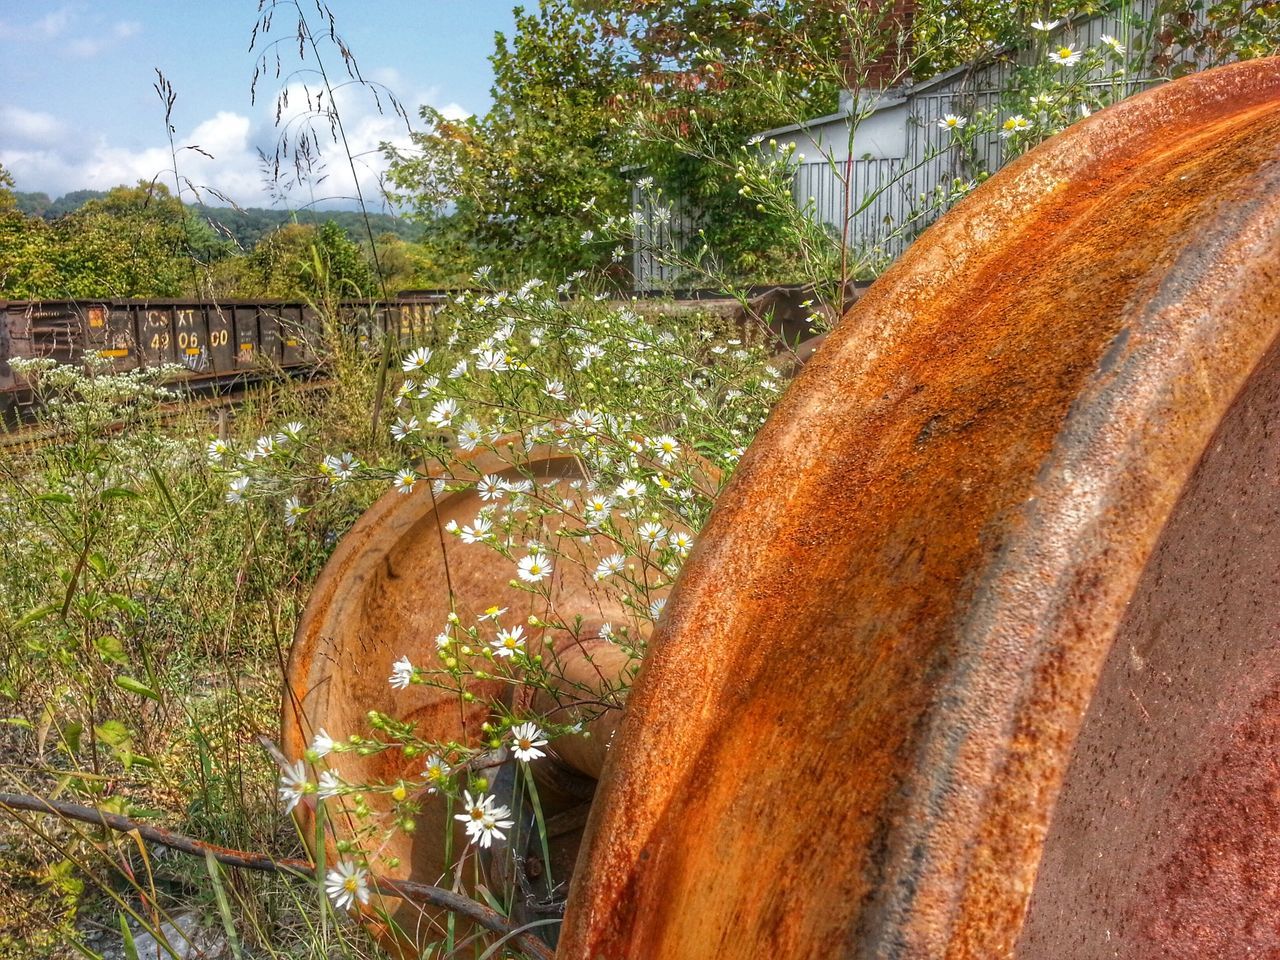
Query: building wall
{"points": [[902, 159]]}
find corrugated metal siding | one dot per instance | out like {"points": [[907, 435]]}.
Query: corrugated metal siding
{"points": [[897, 191]]}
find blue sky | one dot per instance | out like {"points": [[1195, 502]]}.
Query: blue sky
{"points": [[78, 108]]}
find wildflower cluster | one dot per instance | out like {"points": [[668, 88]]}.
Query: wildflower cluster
{"points": [[1062, 84], [577, 441]]}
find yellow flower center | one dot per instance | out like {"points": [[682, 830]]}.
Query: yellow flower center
{"points": [[351, 884], [524, 743]]}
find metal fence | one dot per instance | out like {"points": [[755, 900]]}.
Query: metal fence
{"points": [[890, 200]]}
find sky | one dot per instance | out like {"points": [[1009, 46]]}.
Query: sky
{"points": [[78, 108]]}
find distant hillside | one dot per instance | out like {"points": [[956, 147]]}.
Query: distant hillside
{"points": [[245, 226]]}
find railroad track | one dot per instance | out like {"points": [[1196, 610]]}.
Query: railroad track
{"points": [[29, 437]]}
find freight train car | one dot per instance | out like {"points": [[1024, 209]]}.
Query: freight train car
{"points": [[222, 344]]}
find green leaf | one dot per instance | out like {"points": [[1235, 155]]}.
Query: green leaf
{"points": [[98, 562], [224, 904], [71, 735], [125, 682], [55, 498], [126, 605], [39, 613], [119, 493], [130, 948], [111, 649], [113, 733]]}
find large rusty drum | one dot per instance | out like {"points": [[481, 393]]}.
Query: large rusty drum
{"points": [[986, 628]]}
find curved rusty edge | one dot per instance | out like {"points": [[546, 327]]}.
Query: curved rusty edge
{"points": [[339, 662], [976, 467], [388, 565]]}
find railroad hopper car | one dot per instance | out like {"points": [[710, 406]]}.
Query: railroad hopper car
{"points": [[221, 344]]}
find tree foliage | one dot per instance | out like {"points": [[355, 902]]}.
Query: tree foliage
{"points": [[508, 189]]}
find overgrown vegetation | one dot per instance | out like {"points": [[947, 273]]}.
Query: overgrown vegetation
{"points": [[156, 567]]}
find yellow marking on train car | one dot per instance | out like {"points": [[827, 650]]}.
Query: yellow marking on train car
{"points": [[291, 343], [114, 352], [192, 351]]}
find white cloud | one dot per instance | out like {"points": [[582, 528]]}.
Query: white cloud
{"points": [[31, 126], [46, 158], [53, 24]]}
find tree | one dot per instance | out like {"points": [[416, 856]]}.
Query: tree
{"points": [[509, 189], [304, 262], [133, 242], [7, 199]]}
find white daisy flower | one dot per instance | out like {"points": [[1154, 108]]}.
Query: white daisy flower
{"points": [[1065, 56], [492, 361], [614, 563], [652, 533], [483, 820], [292, 430], [1014, 125], [347, 883], [401, 430], [293, 509], [534, 567], [950, 121], [443, 412], [555, 390], [509, 642], [588, 421], [490, 487], [525, 741], [217, 450], [401, 673], [589, 353], [1116, 46], [656, 608], [681, 542], [330, 785], [416, 360], [236, 489], [477, 531], [294, 785], [340, 468], [459, 369], [405, 480], [470, 435], [666, 447], [596, 510], [1044, 26], [322, 744], [436, 771], [523, 485], [629, 490]]}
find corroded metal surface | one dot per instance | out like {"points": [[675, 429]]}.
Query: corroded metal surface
{"points": [[384, 594], [862, 704], [1163, 841]]}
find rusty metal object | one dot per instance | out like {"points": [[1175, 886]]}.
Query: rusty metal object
{"points": [[386, 593], [1006, 547]]}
